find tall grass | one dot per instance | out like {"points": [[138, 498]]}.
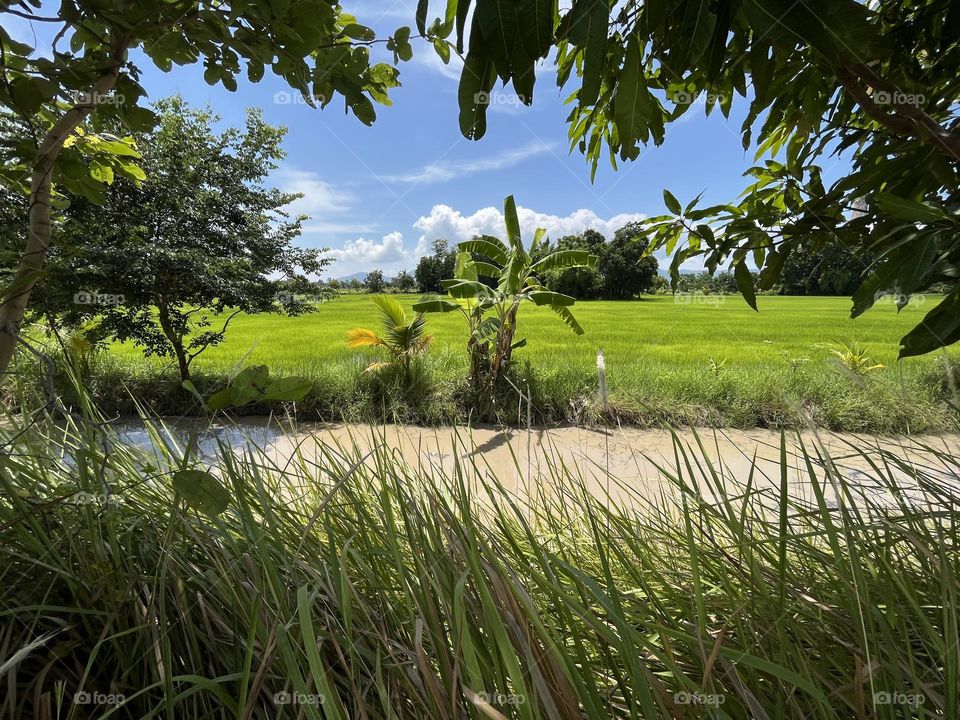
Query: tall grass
{"points": [[346, 583]]}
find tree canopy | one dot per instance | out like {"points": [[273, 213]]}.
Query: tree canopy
{"points": [[876, 84], [311, 45], [202, 237]]}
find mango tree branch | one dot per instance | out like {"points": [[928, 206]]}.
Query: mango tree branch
{"points": [[906, 118], [17, 293]]}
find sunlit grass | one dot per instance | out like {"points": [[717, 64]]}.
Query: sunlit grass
{"points": [[355, 585], [711, 361]]}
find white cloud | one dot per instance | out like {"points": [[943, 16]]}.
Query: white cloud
{"points": [[363, 255], [391, 254], [319, 197], [451, 225], [444, 170]]}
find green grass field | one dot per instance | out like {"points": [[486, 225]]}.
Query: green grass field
{"points": [[710, 361]]}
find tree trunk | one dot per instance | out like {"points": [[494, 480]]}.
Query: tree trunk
{"points": [[503, 345], [175, 339], [17, 293]]}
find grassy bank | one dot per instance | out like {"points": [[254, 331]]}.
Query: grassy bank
{"points": [[343, 589], [703, 360]]}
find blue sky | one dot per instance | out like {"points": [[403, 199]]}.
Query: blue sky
{"points": [[378, 196]]}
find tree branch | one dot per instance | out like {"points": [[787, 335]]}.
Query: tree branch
{"points": [[906, 118]]}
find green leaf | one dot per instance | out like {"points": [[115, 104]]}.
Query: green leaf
{"points": [[939, 328], [536, 26], [485, 269], [359, 32], [587, 29], [287, 389], [568, 318], [465, 268], [910, 210], [673, 205], [220, 400], [547, 297], [512, 223], [487, 328], [473, 94], [435, 305], [563, 259], [487, 246], [630, 101], [697, 28], [201, 491], [771, 270], [465, 289], [744, 280], [422, 16]]}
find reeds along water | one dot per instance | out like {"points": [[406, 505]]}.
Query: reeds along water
{"points": [[349, 582]]}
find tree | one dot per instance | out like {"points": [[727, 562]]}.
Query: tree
{"points": [[374, 282], [583, 283], [832, 271], [626, 268], [404, 282], [872, 82], [50, 95], [434, 268], [491, 313], [200, 239]]}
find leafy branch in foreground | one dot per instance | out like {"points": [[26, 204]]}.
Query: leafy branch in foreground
{"points": [[491, 312]]}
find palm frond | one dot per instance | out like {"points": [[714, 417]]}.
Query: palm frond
{"points": [[391, 311], [362, 337]]}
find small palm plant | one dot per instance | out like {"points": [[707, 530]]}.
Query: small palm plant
{"points": [[492, 312], [856, 359], [403, 337]]}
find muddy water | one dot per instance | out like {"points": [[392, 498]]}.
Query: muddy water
{"points": [[628, 464]]}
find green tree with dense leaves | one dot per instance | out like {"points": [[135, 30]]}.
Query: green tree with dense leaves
{"points": [[627, 270], [404, 282], [88, 70], [168, 262], [491, 312], [834, 270], [432, 269], [374, 282], [583, 283], [875, 83]]}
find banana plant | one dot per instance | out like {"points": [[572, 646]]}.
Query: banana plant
{"points": [[491, 312]]}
